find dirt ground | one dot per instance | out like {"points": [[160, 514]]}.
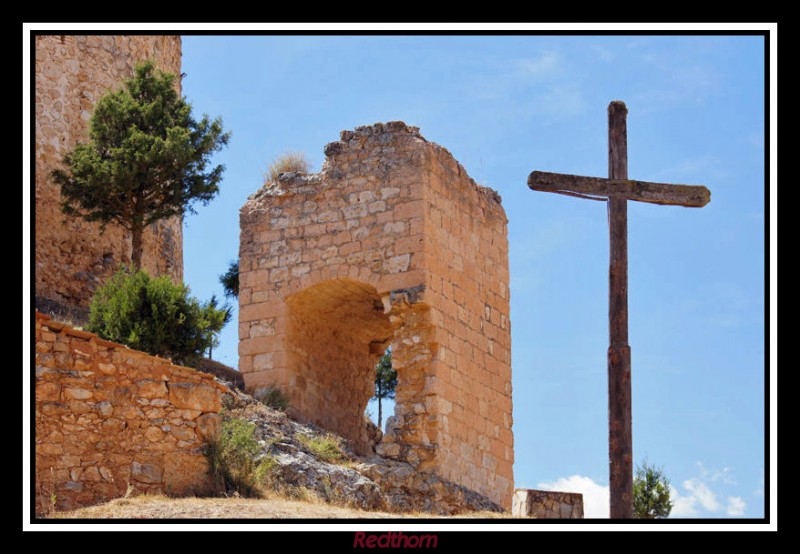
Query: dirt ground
{"points": [[160, 507]]}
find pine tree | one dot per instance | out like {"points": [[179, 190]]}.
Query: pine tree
{"points": [[385, 382], [230, 279], [651, 493], [145, 160]]}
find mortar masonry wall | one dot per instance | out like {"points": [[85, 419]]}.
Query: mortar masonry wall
{"points": [[392, 243], [72, 256], [108, 417], [547, 504]]}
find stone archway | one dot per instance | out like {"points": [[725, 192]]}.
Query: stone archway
{"points": [[391, 242], [337, 330], [336, 333]]}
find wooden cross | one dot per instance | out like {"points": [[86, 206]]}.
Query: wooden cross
{"points": [[617, 190]]}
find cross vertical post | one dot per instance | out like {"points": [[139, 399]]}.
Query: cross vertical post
{"points": [[617, 190], [620, 442]]}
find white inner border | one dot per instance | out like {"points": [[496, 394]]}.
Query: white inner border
{"points": [[409, 526]]}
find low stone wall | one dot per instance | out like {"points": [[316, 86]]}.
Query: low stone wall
{"points": [[110, 419], [230, 376], [547, 504]]}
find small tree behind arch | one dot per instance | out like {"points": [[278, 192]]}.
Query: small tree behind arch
{"points": [[230, 279], [385, 382]]}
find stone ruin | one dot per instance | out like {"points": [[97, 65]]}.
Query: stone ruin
{"points": [[391, 244]]}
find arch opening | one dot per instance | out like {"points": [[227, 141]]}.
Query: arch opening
{"points": [[337, 332]]}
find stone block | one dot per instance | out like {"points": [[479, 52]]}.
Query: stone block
{"points": [[195, 396], [77, 394], [208, 427], [146, 472], [186, 474], [48, 392], [150, 388]]}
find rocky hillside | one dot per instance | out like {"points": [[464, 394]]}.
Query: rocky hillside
{"points": [[305, 458]]}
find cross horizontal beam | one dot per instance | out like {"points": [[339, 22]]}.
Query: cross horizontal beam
{"points": [[597, 188]]}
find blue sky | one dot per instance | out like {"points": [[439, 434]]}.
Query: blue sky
{"points": [[504, 106]]}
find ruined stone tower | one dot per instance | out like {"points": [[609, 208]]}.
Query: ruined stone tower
{"points": [[392, 243], [72, 256]]}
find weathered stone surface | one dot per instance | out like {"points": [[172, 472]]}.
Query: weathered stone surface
{"points": [[146, 473], [106, 474], [72, 256], [107, 369], [48, 392], [331, 482], [194, 396], [153, 434], [547, 504], [77, 394], [49, 449], [391, 244], [151, 388], [105, 434], [366, 483], [186, 473], [407, 490], [207, 427]]}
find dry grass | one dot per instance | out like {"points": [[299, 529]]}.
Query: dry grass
{"points": [[161, 507], [290, 162]]}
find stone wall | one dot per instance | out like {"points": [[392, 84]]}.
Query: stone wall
{"points": [[391, 244], [109, 418], [547, 504], [72, 256], [467, 288]]}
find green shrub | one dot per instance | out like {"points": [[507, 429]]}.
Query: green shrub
{"points": [[272, 397], [327, 448], [156, 315], [233, 458]]}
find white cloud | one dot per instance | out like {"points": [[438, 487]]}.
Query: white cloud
{"points": [[595, 497], [735, 506], [543, 66], [732, 296], [694, 499], [697, 498], [549, 86], [705, 496], [603, 53], [682, 506]]}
